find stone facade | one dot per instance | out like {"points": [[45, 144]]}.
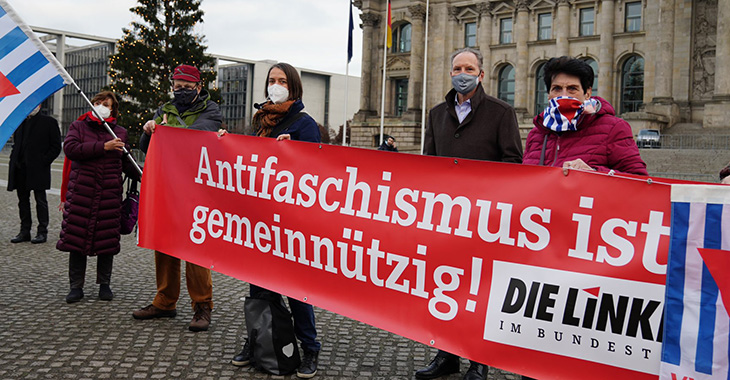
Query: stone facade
{"points": [[680, 48]]}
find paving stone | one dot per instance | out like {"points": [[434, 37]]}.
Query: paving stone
{"points": [[43, 337]]}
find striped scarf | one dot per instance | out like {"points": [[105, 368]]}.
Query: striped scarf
{"points": [[563, 112]]}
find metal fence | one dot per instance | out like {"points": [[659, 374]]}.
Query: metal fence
{"points": [[711, 178], [694, 142]]}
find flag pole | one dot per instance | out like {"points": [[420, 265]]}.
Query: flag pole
{"points": [[385, 54], [423, 93], [347, 74], [108, 128], [344, 123]]}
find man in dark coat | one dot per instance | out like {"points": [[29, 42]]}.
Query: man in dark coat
{"points": [[191, 108], [469, 124], [36, 143], [388, 144]]}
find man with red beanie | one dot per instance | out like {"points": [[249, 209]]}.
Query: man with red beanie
{"points": [[190, 108]]}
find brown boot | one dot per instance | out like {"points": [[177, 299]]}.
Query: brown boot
{"points": [[201, 319], [149, 312]]}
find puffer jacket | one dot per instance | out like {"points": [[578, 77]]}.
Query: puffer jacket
{"points": [[204, 115], [92, 211], [603, 141]]}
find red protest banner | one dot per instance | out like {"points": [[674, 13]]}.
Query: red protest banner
{"points": [[517, 267]]}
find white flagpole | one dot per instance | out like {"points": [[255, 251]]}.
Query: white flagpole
{"points": [[385, 54], [423, 93], [344, 123]]}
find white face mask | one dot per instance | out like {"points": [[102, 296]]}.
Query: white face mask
{"points": [[102, 111], [278, 93]]}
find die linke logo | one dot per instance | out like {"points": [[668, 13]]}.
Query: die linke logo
{"points": [[600, 319]]}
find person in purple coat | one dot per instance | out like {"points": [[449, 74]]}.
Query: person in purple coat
{"points": [[92, 211], [578, 131]]}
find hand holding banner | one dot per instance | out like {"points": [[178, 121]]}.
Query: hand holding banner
{"points": [[490, 261]]}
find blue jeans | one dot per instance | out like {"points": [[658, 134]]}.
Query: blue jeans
{"points": [[303, 315]]}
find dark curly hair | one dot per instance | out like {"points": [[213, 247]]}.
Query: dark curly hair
{"points": [[570, 66]]}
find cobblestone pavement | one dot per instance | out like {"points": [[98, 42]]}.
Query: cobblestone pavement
{"points": [[43, 337]]}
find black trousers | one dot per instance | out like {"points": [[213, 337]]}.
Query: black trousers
{"points": [[77, 269], [41, 208]]}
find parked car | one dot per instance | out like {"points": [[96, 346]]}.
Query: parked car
{"points": [[649, 138]]}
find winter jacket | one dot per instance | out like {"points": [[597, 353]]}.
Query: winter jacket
{"points": [[37, 143], [489, 132], [204, 115], [92, 211], [302, 129], [603, 141]]}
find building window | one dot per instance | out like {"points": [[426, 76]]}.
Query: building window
{"points": [[470, 34], [633, 17], [541, 93], [402, 39], [632, 84], [594, 65], [544, 26], [505, 31], [587, 20], [506, 84], [401, 96]]}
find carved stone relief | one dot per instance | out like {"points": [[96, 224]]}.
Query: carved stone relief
{"points": [[703, 52]]}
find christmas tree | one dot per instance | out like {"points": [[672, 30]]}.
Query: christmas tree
{"points": [[147, 53]]}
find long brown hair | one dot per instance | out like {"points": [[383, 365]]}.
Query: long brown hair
{"points": [[293, 81]]}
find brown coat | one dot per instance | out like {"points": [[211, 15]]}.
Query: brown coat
{"points": [[489, 132]]}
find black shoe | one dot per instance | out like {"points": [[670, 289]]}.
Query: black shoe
{"points": [[105, 292], [476, 372], [308, 368], [244, 357], [75, 295], [21, 237], [39, 238], [441, 365]]}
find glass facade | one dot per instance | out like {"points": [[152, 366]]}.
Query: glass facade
{"points": [[587, 21], [470, 34], [541, 93], [594, 65], [89, 67], [633, 17], [505, 31], [544, 26], [632, 84], [401, 96], [402, 39], [506, 90], [233, 83]]}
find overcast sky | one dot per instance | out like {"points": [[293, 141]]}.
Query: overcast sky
{"points": [[305, 33]]}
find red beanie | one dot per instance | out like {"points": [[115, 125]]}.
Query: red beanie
{"points": [[187, 73]]}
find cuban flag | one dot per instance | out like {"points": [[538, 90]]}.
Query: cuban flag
{"points": [[29, 73], [696, 342]]}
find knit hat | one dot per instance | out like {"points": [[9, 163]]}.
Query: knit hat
{"points": [[187, 73]]}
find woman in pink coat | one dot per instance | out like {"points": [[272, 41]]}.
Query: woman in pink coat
{"points": [[577, 131]]}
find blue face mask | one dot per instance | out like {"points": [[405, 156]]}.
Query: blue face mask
{"points": [[464, 83]]}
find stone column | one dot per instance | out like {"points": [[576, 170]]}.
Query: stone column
{"points": [[58, 96], [415, 74], [484, 39], [370, 22], [521, 77], [717, 111], [665, 52], [562, 28], [722, 52], [605, 54]]}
